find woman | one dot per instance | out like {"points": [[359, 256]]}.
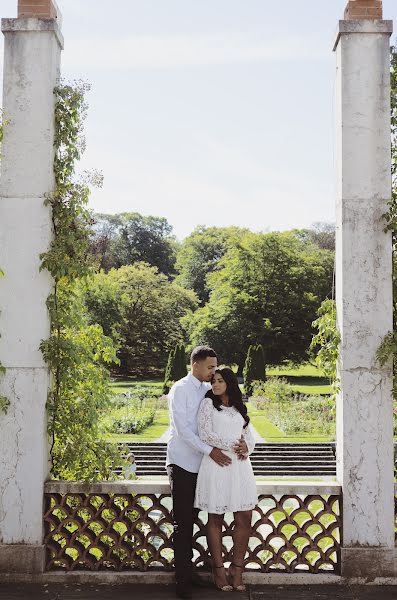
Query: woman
{"points": [[223, 423]]}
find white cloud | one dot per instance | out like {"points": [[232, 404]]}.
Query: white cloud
{"points": [[175, 51]]}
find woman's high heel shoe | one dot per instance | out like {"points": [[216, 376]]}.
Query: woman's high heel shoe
{"points": [[238, 588], [222, 588]]}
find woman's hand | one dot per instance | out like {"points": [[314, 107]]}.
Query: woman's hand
{"points": [[241, 449]]}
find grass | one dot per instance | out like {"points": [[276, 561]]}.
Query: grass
{"points": [[127, 384], [306, 378], [272, 434]]}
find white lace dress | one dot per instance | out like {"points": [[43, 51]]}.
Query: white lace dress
{"points": [[231, 488]]}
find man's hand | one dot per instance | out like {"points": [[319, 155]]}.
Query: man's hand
{"points": [[241, 449], [221, 459]]}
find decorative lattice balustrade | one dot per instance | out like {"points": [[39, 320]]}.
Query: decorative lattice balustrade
{"points": [[127, 526]]}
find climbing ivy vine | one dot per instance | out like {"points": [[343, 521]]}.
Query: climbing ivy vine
{"points": [[76, 352], [325, 343], [388, 347], [4, 402]]}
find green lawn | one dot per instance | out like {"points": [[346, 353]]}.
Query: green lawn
{"points": [[128, 384], [306, 379], [271, 433]]}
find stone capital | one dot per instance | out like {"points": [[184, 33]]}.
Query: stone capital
{"points": [[32, 24], [362, 26]]}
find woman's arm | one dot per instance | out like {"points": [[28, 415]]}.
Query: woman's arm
{"points": [[246, 443], [205, 427], [249, 438]]}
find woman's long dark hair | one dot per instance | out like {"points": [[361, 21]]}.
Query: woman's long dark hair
{"points": [[233, 391]]}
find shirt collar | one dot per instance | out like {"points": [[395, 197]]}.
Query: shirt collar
{"points": [[197, 383]]}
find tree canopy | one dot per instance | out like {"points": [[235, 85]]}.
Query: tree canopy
{"points": [[127, 238], [141, 310], [199, 255], [267, 291]]}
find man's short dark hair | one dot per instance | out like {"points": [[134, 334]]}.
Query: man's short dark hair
{"points": [[201, 353]]}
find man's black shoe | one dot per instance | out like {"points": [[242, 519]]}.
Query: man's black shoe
{"points": [[183, 590], [197, 581]]}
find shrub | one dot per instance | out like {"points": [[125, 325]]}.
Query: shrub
{"points": [[254, 368], [275, 389], [131, 412], [300, 414], [132, 424], [176, 366]]}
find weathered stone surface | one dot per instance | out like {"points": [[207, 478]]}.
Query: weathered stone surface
{"points": [[25, 233], [364, 297], [374, 562], [23, 457], [21, 558], [31, 69]]}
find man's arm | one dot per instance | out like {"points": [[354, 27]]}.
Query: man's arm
{"points": [[179, 414]]}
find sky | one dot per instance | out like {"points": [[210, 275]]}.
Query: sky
{"points": [[208, 112]]}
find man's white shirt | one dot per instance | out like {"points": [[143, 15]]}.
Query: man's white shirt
{"points": [[185, 448]]}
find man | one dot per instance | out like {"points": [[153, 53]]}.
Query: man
{"points": [[184, 453]]}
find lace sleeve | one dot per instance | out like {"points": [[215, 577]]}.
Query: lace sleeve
{"points": [[205, 428], [249, 438]]}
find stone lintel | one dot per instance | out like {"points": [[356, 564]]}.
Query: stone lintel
{"points": [[369, 562], [33, 25], [362, 26], [22, 558]]}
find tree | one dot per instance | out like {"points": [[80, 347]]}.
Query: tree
{"points": [[141, 310], [102, 241], [324, 346], [267, 290], [127, 238], [322, 234], [199, 255]]}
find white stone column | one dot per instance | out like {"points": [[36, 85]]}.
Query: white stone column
{"points": [[31, 69], [364, 293]]}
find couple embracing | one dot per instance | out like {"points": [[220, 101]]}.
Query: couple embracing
{"points": [[209, 468]]}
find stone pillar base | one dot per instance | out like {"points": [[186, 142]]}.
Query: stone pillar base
{"points": [[22, 558], [367, 562]]}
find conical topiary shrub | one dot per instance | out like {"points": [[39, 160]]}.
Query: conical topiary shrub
{"points": [[176, 367], [180, 369], [254, 368], [259, 365], [169, 371]]}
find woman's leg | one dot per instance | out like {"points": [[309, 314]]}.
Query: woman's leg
{"points": [[241, 535], [214, 540]]}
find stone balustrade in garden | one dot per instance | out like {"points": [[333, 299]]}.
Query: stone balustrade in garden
{"points": [[122, 526]]}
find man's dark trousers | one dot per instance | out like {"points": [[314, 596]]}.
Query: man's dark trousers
{"points": [[183, 489]]}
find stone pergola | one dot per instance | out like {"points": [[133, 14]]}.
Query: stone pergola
{"points": [[33, 44]]}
